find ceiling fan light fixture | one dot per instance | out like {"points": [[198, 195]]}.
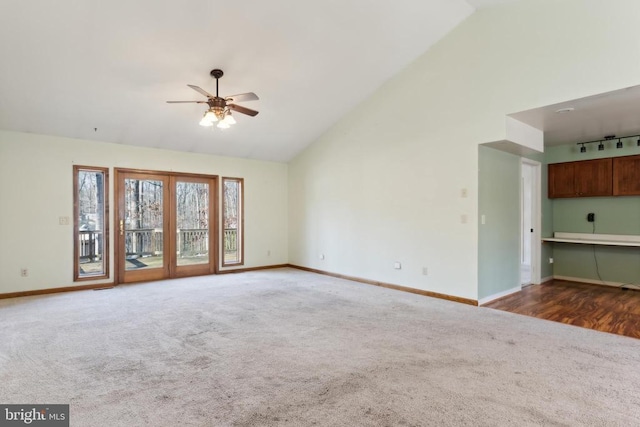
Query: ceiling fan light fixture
{"points": [[220, 107], [205, 121], [210, 115], [228, 118]]}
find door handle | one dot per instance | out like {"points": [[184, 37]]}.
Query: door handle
{"points": [[122, 227]]}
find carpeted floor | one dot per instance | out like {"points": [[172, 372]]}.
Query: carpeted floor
{"points": [[286, 347]]}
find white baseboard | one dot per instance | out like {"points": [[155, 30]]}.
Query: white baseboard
{"points": [[546, 279], [498, 295], [589, 281]]}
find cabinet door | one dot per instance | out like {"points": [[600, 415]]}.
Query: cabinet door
{"points": [[626, 176], [561, 180], [594, 177]]}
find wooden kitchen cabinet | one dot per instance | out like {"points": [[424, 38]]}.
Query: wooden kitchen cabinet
{"points": [[626, 176], [561, 180], [587, 178]]}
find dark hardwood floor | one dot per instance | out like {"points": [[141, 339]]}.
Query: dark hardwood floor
{"points": [[603, 308]]}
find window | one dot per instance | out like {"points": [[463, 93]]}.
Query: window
{"points": [[232, 221], [90, 223]]}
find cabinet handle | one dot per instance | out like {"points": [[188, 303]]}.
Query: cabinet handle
{"points": [[122, 227]]}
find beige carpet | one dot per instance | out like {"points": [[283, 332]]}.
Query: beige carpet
{"points": [[285, 347]]}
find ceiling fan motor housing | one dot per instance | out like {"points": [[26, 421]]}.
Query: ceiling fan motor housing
{"points": [[217, 102]]}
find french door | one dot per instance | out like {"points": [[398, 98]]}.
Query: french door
{"points": [[165, 225]]}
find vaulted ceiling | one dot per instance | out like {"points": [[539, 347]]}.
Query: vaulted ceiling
{"points": [[102, 70]]}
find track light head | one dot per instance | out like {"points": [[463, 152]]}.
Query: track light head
{"points": [[608, 138]]}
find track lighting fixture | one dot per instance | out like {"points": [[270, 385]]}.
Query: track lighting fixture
{"points": [[601, 145]]}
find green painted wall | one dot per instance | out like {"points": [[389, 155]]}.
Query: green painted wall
{"points": [[499, 237], [614, 215]]}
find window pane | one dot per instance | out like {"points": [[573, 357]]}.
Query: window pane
{"points": [[192, 240], [91, 214], [143, 223], [232, 220]]}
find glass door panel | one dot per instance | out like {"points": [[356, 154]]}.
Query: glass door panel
{"points": [[143, 223], [192, 221], [142, 238]]}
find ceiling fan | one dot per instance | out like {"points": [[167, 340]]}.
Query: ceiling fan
{"points": [[220, 108]]}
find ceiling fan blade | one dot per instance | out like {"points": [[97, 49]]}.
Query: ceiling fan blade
{"points": [[184, 102], [249, 96], [243, 110], [202, 91]]}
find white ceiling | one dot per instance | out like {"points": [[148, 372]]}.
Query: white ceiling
{"points": [[71, 67], [102, 70], [592, 118]]}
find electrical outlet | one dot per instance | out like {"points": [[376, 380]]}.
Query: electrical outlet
{"points": [[321, 256], [268, 252], [425, 271], [550, 260], [63, 220], [591, 217], [24, 272], [397, 265]]}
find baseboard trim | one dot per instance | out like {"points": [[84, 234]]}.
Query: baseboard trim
{"points": [[55, 290], [499, 295], [111, 285], [546, 279], [590, 281], [389, 286], [245, 270]]}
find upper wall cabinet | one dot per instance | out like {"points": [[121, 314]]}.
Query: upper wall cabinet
{"points": [[626, 176], [588, 178]]}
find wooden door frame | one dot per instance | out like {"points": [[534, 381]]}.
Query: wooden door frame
{"points": [[169, 206], [199, 269]]}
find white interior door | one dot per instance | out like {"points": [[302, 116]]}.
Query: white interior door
{"points": [[530, 222]]}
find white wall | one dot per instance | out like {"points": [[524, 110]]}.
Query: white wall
{"points": [[384, 183], [36, 189]]}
